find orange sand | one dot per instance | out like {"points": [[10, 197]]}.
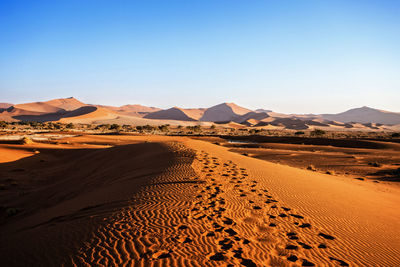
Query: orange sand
{"points": [[174, 201]]}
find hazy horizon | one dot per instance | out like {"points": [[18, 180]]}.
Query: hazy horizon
{"points": [[289, 57]]}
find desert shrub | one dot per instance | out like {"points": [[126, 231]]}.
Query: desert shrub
{"points": [[317, 132], [11, 211], [25, 141], [374, 164], [69, 126], [311, 167], [105, 126], [299, 133], [35, 124], [163, 128], [254, 131], [52, 126], [395, 135], [212, 127], [3, 124], [196, 128], [148, 128], [115, 127]]}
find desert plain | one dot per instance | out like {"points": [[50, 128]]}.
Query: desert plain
{"points": [[158, 200]]}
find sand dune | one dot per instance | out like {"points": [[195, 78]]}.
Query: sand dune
{"points": [[5, 105], [39, 107], [40, 111], [106, 116], [51, 106], [176, 113], [132, 110], [224, 112], [88, 114], [114, 200], [365, 115], [362, 119], [252, 116], [68, 104]]}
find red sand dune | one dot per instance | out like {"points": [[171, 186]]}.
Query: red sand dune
{"points": [[224, 112], [176, 113]]}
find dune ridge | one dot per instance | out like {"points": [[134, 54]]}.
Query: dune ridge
{"points": [[359, 119], [176, 113]]}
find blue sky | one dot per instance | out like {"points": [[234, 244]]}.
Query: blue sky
{"points": [[289, 56]]}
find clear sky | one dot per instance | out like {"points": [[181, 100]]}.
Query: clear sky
{"points": [[289, 56]]}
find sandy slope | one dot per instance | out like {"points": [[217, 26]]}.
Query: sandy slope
{"points": [[183, 202], [176, 113], [224, 112]]}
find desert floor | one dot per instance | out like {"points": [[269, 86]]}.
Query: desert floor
{"points": [[376, 160], [118, 200]]}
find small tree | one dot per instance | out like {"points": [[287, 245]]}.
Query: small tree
{"points": [[395, 135], [317, 132], [69, 125], [115, 127], [163, 128]]}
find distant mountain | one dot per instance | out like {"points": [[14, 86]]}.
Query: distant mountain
{"points": [[176, 113], [365, 115], [224, 112]]}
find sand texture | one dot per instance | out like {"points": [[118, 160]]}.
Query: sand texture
{"points": [[175, 201]]}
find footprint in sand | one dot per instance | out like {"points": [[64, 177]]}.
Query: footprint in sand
{"points": [[307, 263], [329, 237], [304, 245], [219, 256], [230, 232], [291, 247], [226, 244], [182, 227], [341, 263], [305, 225], [162, 254], [297, 216], [292, 258], [292, 236]]}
